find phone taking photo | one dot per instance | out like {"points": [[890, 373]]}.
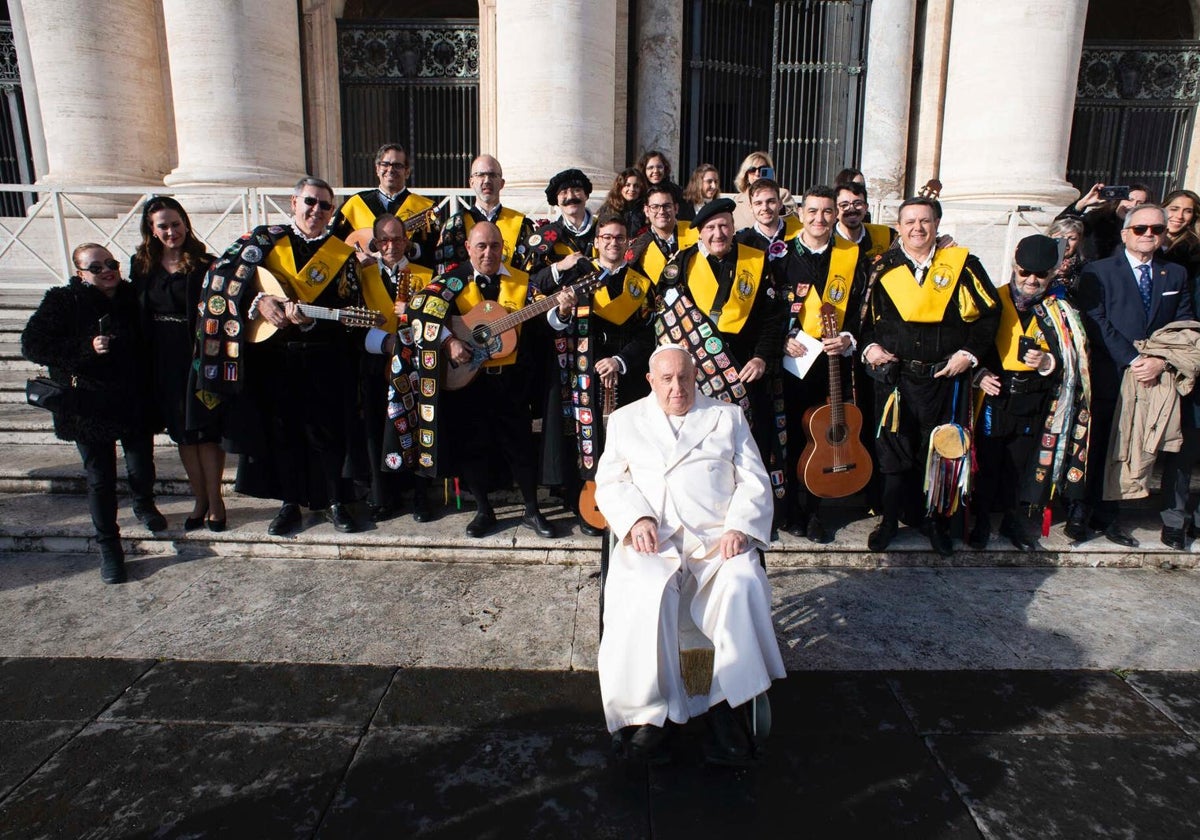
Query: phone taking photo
{"points": [[767, 172], [104, 324], [1114, 193]]}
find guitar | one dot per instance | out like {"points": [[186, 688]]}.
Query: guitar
{"points": [[588, 511], [490, 330], [260, 329], [363, 239], [834, 463]]}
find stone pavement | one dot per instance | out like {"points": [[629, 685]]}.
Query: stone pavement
{"points": [[259, 697]]}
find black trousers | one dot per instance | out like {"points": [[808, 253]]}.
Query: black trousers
{"points": [[100, 466], [491, 418]]}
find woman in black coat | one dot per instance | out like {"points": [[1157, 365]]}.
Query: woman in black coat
{"points": [[86, 333]]}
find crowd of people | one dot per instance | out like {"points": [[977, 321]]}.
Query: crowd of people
{"points": [[349, 354]]}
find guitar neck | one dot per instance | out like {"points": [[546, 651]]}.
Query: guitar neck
{"points": [[835, 389], [319, 313], [531, 311], [609, 404]]}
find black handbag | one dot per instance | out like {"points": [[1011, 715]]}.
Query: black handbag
{"points": [[43, 392]]}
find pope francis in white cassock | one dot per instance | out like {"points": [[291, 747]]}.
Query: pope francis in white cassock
{"points": [[688, 501]]}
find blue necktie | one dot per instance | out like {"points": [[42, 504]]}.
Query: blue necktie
{"points": [[1144, 287]]}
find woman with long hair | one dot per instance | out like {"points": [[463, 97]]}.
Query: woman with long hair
{"points": [[167, 271], [703, 187], [1183, 244], [656, 169], [626, 198]]}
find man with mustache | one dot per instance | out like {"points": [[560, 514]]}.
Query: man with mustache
{"points": [[558, 245], [872, 240]]}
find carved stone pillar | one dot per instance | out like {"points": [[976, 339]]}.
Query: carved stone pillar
{"points": [[659, 79]]}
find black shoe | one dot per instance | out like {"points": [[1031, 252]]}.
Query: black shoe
{"points": [[194, 523], [1114, 533], [590, 530], [1174, 538], [1076, 528], [539, 523], [729, 741], [883, 535], [151, 518], [285, 521], [340, 516], [216, 525], [483, 522], [981, 532], [381, 513], [815, 530], [1019, 532], [112, 562], [421, 510], [647, 744], [939, 540]]}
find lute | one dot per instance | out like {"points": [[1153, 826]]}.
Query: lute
{"points": [[260, 329], [588, 511], [363, 239]]}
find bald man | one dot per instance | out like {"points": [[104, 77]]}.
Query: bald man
{"points": [[486, 180]]}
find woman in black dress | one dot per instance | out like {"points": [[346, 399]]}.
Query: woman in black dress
{"points": [[167, 272]]}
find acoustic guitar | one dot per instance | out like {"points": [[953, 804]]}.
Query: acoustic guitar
{"points": [[588, 511], [490, 330], [834, 464], [363, 239], [260, 329]]}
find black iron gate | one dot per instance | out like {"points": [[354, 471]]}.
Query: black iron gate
{"points": [[16, 162], [415, 83], [784, 76], [1134, 108]]}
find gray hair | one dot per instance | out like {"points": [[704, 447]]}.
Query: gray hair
{"points": [[1067, 225], [310, 181], [1129, 216]]}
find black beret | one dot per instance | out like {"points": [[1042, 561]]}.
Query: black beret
{"points": [[717, 205], [564, 179], [1039, 254]]}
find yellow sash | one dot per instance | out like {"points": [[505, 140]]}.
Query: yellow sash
{"points": [[509, 222], [685, 235], [746, 276], [838, 281], [881, 240], [359, 215], [376, 295], [308, 282], [1010, 332], [513, 291], [791, 227], [617, 310], [926, 303]]}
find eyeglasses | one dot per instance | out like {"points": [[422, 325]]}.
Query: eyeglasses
{"points": [[660, 208], [486, 176], [1140, 230], [857, 205], [313, 201], [611, 237], [394, 240], [95, 268], [392, 164], [757, 170], [1022, 273]]}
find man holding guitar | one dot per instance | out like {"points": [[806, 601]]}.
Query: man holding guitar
{"points": [[272, 307], [482, 411], [819, 269]]}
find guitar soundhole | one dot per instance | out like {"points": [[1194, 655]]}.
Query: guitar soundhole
{"points": [[836, 435]]}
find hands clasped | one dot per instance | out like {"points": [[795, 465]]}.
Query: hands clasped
{"points": [[643, 538]]}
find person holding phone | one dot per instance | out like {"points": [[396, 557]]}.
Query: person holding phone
{"points": [[1103, 210], [756, 165], [86, 333], [1036, 361]]}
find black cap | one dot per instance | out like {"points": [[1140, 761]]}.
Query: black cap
{"points": [[1040, 254], [564, 179], [717, 205]]}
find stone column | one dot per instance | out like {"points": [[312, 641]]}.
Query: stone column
{"points": [[1010, 96], [33, 108], [239, 106], [886, 99], [323, 100], [100, 92], [555, 79], [488, 118], [659, 79]]}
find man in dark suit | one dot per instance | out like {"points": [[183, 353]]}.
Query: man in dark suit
{"points": [[1126, 297]]}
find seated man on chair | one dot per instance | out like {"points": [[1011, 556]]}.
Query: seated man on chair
{"points": [[688, 500]]}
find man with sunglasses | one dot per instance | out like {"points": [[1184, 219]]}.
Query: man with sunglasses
{"points": [[1127, 298], [291, 427], [391, 196], [651, 251], [486, 180]]}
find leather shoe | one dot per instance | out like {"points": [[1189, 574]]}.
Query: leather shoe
{"points": [[981, 532], [1019, 533], [421, 510], [815, 530], [729, 743], [883, 535], [340, 516], [112, 562], [1114, 533], [216, 525], [381, 513], [194, 523], [285, 521], [590, 530], [1076, 528], [483, 522], [1174, 538], [939, 540], [151, 518], [538, 523], [648, 744]]}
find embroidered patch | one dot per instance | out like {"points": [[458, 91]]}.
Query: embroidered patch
{"points": [[216, 305], [232, 349], [218, 283], [232, 328], [235, 288], [425, 460], [393, 460], [211, 325], [427, 412], [712, 345], [252, 254]]}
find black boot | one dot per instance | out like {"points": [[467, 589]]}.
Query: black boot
{"points": [[112, 562]]}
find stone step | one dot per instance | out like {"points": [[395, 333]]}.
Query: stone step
{"points": [[60, 523], [55, 467]]}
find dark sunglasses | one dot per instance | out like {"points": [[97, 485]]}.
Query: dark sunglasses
{"points": [[312, 200], [95, 268], [1140, 230], [1041, 275]]}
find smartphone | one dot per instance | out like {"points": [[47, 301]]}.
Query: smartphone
{"points": [[1114, 193], [104, 324], [769, 172], [1025, 344]]}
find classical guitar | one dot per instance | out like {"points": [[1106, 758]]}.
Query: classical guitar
{"points": [[834, 463], [363, 239], [490, 330], [588, 511], [260, 329]]}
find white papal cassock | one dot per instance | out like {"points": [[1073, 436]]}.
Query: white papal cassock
{"points": [[697, 482]]}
